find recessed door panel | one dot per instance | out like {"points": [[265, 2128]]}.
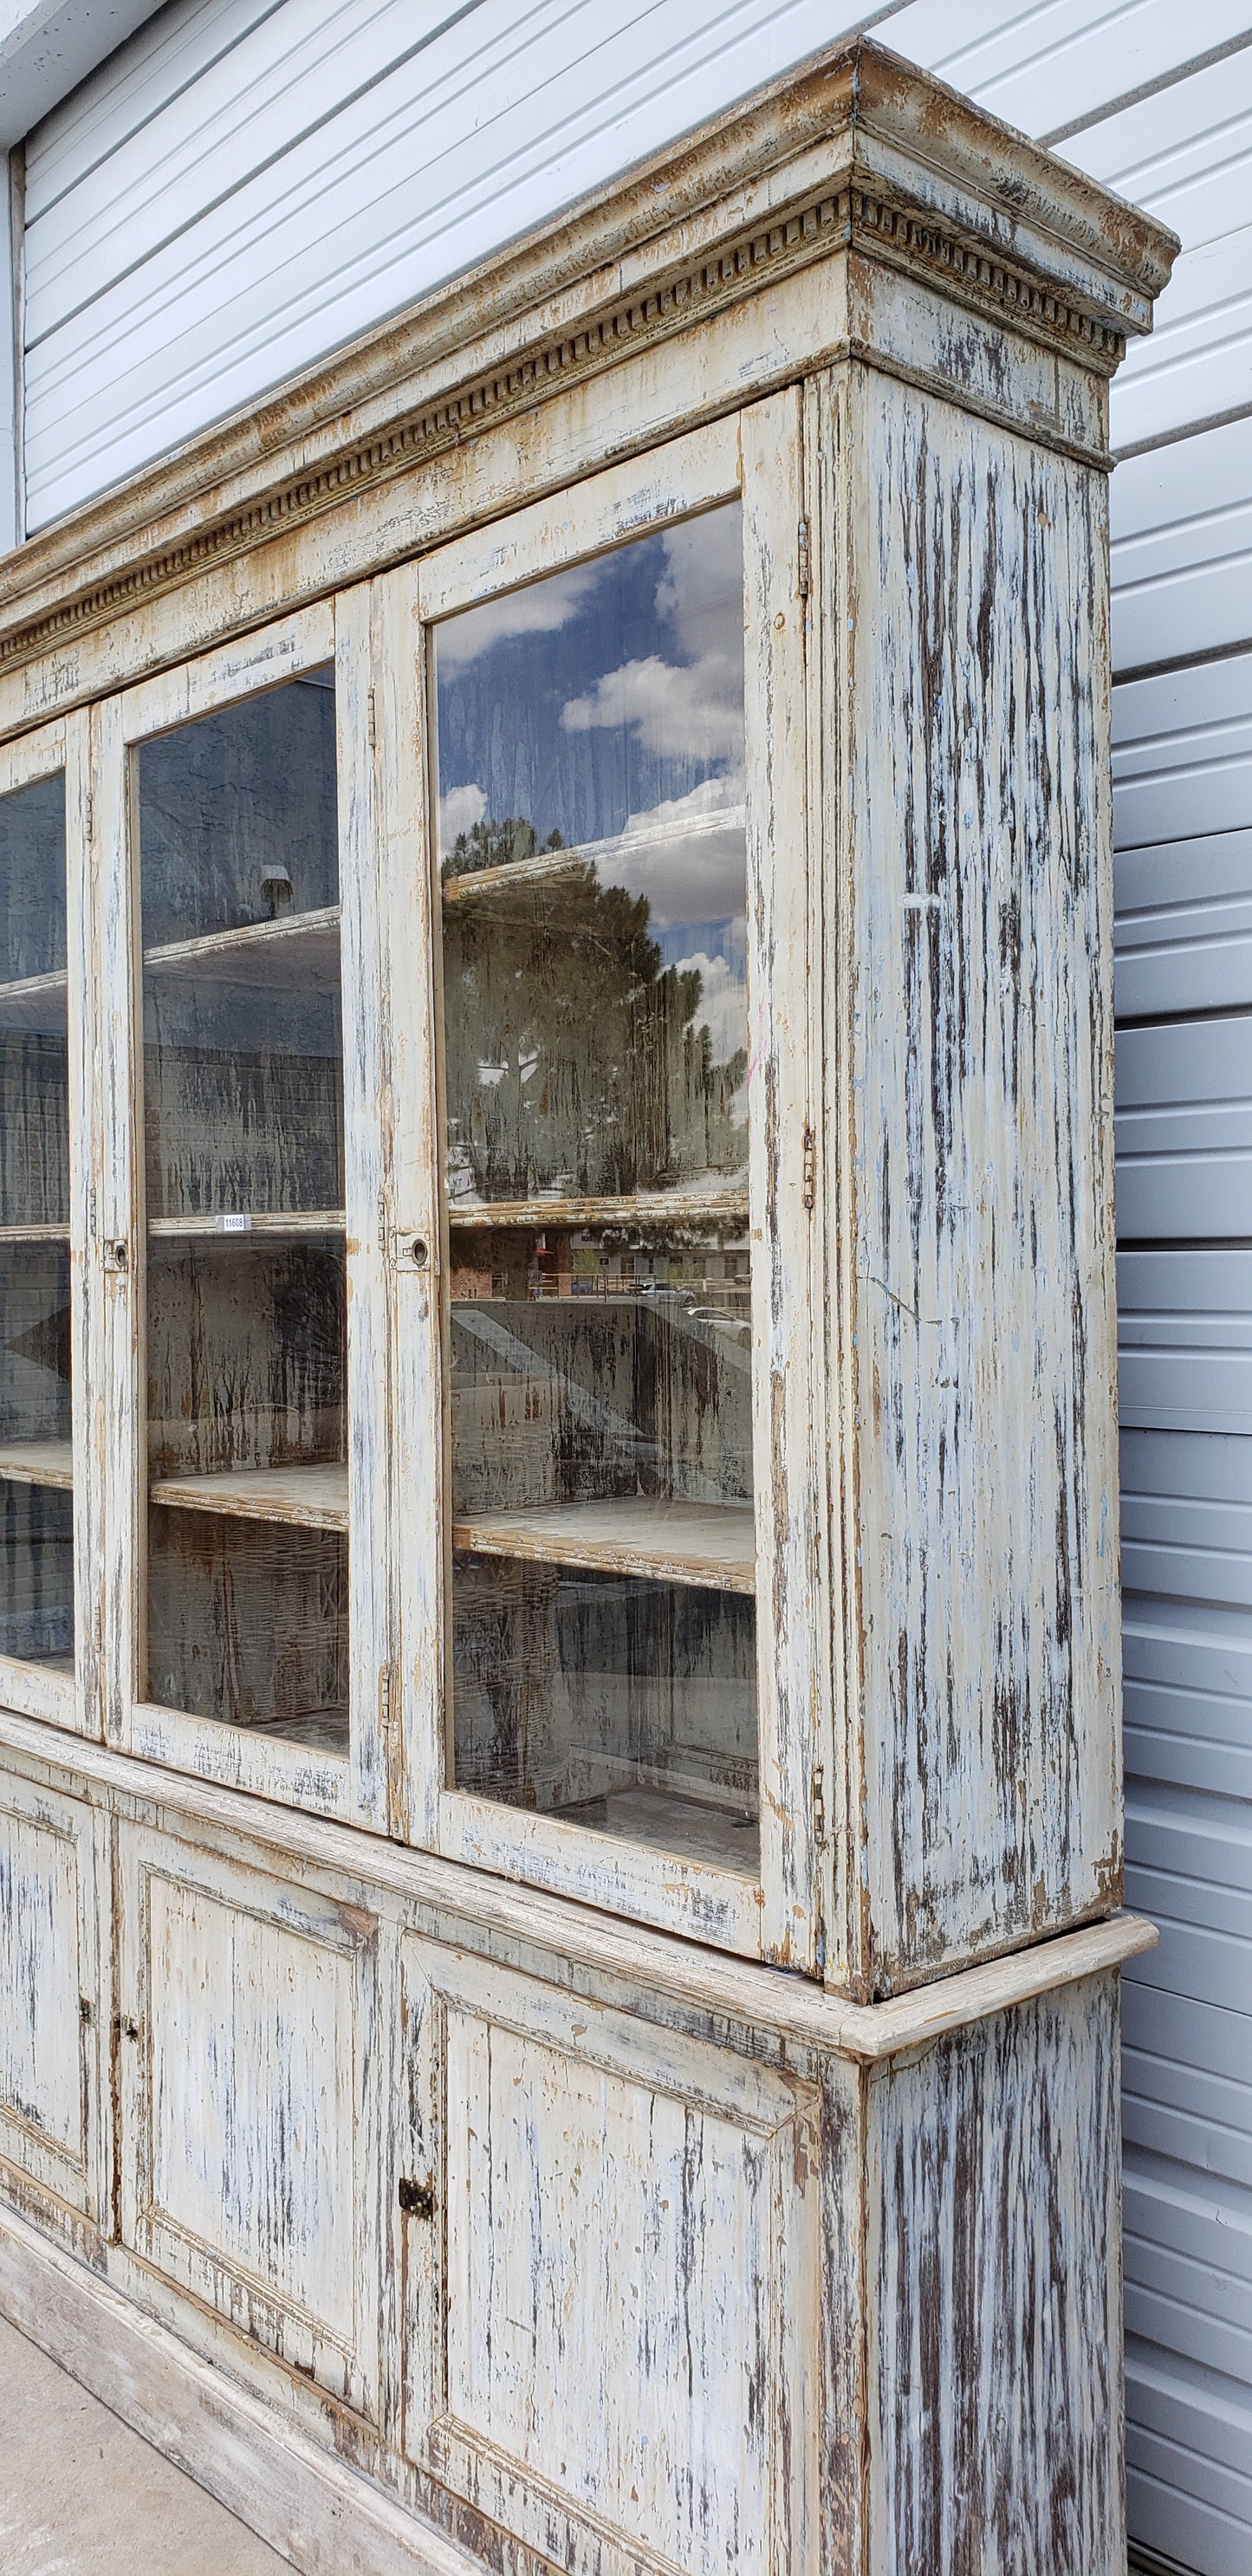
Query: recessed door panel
{"points": [[250, 2147], [50, 2024], [627, 2358]]}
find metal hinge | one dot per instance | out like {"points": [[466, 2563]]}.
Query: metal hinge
{"points": [[804, 567], [809, 1169], [373, 733], [818, 1791], [417, 2199]]}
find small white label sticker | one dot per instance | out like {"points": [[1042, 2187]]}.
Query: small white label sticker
{"points": [[234, 1225]]}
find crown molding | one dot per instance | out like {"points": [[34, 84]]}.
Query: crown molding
{"points": [[857, 154]]}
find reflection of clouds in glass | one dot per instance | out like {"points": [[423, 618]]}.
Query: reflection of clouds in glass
{"points": [[459, 810], [700, 595], [689, 862], [690, 709], [723, 1004], [540, 609], [681, 710]]}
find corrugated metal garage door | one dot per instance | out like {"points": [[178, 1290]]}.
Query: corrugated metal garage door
{"points": [[251, 182]]}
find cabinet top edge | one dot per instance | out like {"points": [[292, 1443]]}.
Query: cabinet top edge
{"points": [[854, 148]]}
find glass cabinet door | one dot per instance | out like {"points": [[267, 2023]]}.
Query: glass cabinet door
{"points": [[246, 1616], [592, 877], [36, 1455]]}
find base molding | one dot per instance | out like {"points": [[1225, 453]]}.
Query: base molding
{"points": [[1143, 2561], [322, 2516]]}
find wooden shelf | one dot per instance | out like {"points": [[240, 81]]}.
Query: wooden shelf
{"points": [[712, 1544], [665, 1820], [319, 1730], [283, 1225], [36, 1002], [302, 1497], [38, 1462], [723, 1205], [302, 948], [621, 847]]}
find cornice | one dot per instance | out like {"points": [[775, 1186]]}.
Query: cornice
{"points": [[856, 152]]}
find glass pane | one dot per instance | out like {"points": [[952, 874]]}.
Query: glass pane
{"points": [[36, 1462], [593, 876], [246, 1289]]}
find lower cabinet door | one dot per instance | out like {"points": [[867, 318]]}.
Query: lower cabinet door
{"points": [[53, 2025], [612, 2279], [249, 2095]]}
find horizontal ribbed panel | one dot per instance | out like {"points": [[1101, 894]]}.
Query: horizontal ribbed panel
{"points": [[317, 173]]}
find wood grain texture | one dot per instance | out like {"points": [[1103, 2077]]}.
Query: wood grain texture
{"points": [[429, 2150], [972, 960], [675, 1542], [38, 1462], [249, 2123], [296, 2494], [616, 2203], [993, 2186], [53, 2037]]}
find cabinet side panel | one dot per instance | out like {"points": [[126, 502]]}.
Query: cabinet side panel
{"points": [[976, 984], [994, 2274]]}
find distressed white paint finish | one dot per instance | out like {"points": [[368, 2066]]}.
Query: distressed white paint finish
{"points": [[994, 2402], [971, 1132], [249, 2105], [55, 1696], [243, 1758], [618, 2211], [52, 2030], [619, 2161], [858, 2204], [224, 207]]}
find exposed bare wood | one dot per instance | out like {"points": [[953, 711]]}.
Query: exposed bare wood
{"points": [[647, 1210], [38, 1462], [34, 1002], [399, 2040], [308, 1497], [294, 1225], [471, 883], [302, 947], [676, 1542]]}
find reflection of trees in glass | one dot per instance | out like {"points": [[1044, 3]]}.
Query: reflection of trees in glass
{"points": [[572, 1055]]}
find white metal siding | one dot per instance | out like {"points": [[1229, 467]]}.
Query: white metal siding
{"points": [[248, 184], [270, 181]]}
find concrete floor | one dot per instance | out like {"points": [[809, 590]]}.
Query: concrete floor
{"points": [[81, 2495]]}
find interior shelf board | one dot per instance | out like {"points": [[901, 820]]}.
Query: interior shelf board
{"points": [[619, 848], [38, 1462], [712, 1544], [300, 946], [304, 1497], [283, 1223], [721, 1206], [25, 1001], [664, 1820]]}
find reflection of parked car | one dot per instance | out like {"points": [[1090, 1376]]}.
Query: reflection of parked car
{"points": [[737, 1326]]}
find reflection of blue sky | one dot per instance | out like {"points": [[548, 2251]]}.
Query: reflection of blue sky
{"points": [[609, 699]]}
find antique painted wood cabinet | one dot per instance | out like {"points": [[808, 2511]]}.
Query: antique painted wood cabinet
{"points": [[560, 1861]]}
